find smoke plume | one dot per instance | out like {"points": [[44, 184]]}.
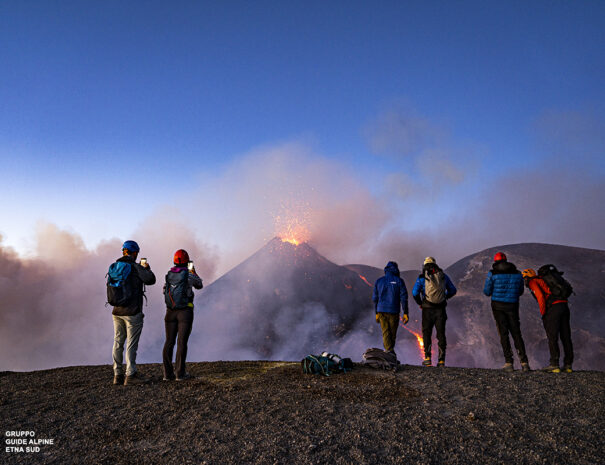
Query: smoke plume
{"points": [[52, 310]]}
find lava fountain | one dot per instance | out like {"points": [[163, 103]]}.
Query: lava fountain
{"points": [[292, 222]]}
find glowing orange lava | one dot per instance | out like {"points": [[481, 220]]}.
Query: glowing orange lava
{"points": [[419, 339], [365, 280], [290, 240], [292, 223]]}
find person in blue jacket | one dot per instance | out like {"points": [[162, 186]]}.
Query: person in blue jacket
{"points": [[504, 284], [390, 294], [431, 291]]}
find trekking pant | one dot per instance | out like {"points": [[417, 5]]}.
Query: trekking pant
{"points": [[389, 322], [507, 320], [126, 328], [177, 322], [556, 323], [434, 317]]}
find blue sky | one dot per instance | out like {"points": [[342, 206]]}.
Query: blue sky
{"points": [[99, 98]]}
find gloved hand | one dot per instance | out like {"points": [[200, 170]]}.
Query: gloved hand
{"points": [[377, 320], [405, 318]]}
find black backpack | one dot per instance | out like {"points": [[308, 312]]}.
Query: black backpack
{"points": [[120, 286], [560, 289], [175, 289]]}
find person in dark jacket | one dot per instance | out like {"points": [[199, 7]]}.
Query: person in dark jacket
{"points": [[128, 320], [431, 291], [179, 320], [390, 294], [504, 284], [555, 317]]}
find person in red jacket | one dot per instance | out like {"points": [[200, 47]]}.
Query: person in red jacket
{"points": [[555, 317]]}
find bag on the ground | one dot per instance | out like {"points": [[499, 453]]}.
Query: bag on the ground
{"points": [[175, 289], [378, 358], [325, 364], [560, 289], [120, 292], [434, 287]]}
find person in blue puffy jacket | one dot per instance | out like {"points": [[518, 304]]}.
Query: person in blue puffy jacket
{"points": [[389, 296], [504, 284]]}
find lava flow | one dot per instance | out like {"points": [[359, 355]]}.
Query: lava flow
{"points": [[419, 339], [365, 280]]}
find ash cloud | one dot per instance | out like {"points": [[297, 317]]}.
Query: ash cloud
{"points": [[554, 197], [52, 311]]}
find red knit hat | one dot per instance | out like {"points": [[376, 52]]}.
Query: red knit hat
{"points": [[181, 257]]}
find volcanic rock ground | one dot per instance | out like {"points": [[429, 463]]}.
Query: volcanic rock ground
{"points": [[269, 412]]}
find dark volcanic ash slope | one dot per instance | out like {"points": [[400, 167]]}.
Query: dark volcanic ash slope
{"points": [[472, 335], [268, 412], [284, 301]]}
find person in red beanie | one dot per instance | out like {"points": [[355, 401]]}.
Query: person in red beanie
{"points": [[178, 295], [504, 284]]}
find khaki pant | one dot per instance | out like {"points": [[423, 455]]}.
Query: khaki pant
{"points": [[126, 328], [389, 322]]}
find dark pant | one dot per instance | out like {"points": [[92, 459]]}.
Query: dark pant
{"points": [[507, 320], [176, 322], [556, 323], [389, 322], [434, 317]]}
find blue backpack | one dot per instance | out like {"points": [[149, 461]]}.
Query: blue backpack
{"points": [[120, 292], [175, 289]]}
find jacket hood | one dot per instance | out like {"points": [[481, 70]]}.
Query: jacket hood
{"points": [[504, 267], [392, 268], [126, 258]]}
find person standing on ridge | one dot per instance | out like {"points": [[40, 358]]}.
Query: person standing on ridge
{"points": [[178, 295], [431, 291], [555, 318], [504, 284], [125, 291], [390, 294]]}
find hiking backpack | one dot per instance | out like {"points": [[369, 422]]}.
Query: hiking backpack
{"points": [[560, 289], [325, 364], [378, 358], [175, 289], [120, 289], [434, 287]]}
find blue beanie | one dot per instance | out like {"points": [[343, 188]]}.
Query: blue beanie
{"points": [[131, 246]]}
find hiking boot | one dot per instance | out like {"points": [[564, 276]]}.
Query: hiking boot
{"points": [[508, 367], [552, 369], [135, 379], [184, 377], [168, 378], [427, 362], [525, 367], [441, 363], [567, 369], [118, 379]]}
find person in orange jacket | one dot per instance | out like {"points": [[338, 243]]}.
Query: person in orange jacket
{"points": [[555, 317]]}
